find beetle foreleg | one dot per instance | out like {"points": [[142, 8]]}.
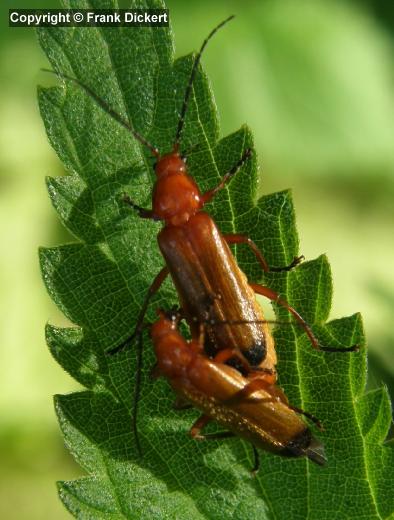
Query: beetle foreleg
{"points": [[142, 212], [209, 195]]}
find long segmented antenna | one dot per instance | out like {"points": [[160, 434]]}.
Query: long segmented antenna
{"points": [[300, 322], [137, 392], [110, 111], [181, 121]]}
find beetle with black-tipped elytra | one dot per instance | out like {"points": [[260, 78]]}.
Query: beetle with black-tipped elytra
{"points": [[249, 407]]}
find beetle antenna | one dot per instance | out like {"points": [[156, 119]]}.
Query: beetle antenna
{"points": [[214, 323], [137, 392], [316, 345], [109, 110], [197, 59]]}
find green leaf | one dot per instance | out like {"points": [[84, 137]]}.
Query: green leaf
{"points": [[100, 280]]}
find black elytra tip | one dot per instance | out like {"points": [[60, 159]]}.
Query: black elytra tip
{"points": [[304, 444]]}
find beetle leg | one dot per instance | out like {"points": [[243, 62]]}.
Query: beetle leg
{"points": [[155, 286], [181, 404], [235, 238], [228, 353], [256, 384], [195, 430], [201, 336], [308, 415], [223, 356], [269, 375], [275, 297], [154, 372], [142, 212], [196, 344], [256, 465], [209, 195]]}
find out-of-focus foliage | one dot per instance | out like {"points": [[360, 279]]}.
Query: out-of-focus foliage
{"points": [[265, 74]]}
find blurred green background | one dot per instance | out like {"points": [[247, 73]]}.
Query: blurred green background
{"points": [[314, 80]]}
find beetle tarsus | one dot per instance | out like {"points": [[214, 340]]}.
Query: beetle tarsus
{"points": [[296, 260], [122, 346], [256, 464], [353, 348], [142, 212]]}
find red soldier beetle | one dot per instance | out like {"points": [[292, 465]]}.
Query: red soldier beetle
{"points": [[204, 271], [252, 409]]}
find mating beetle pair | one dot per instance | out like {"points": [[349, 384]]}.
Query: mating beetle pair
{"points": [[228, 369]]}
